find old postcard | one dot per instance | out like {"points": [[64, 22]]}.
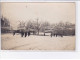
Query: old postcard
{"points": [[38, 26]]}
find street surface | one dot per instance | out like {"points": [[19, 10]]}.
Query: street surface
{"points": [[34, 42]]}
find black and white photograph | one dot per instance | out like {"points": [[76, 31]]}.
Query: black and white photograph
{"points": [[48, 26]]}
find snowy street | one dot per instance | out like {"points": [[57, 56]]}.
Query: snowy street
{"points": [[34, 42]]}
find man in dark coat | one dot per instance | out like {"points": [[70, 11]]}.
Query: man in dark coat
{"points": [[25, 33], [13, 33], [22, 33], [28, 33]]}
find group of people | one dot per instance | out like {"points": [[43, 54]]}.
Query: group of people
{"points": [[23, 34], [56, 35], [28, 33]]}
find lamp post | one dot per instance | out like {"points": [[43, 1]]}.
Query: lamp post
{"points": [[37, 26]]}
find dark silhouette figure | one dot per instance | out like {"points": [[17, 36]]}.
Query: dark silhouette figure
{"points": [[54, 34], [22, 33], [25, 34], [13, 33], [28, 33], [61, 35], [44, 34]]}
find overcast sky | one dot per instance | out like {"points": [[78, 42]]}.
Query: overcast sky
{"points": [[51, 12]]}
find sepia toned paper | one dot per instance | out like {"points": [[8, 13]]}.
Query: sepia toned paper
{"points": [[38, 26]]}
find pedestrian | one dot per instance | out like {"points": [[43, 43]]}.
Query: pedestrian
{"points": [[13, 33], [25, 34], [61, 35], [22, 33], [44, 34], [28, 33], [54, 35]]}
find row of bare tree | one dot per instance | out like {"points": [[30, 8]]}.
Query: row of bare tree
{"points": [[56, 28], [65, 28]]}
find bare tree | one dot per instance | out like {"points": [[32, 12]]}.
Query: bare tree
{"points": [[44, 25], [21, 25]]}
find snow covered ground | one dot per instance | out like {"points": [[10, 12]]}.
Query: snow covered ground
{"points": [[34, 42]]}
